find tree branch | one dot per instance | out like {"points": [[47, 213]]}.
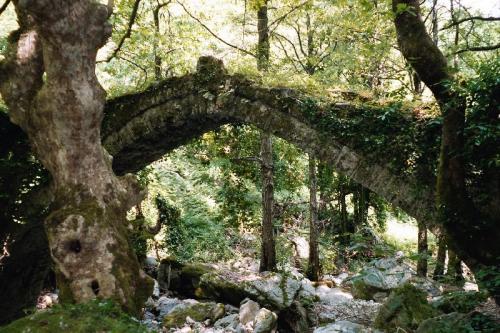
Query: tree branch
{"points": [[478, 48], [472, 18], [419, 49], [127, 34], [4, 6], [293, 47], [287, 55], [284, 16], [136, 65], [213, 34]]}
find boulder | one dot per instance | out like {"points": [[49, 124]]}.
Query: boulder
{"points": [[228, 322], [265, 321], [406, 308], [271, 290], [196, 311], [344, 327], [181, 278], [386, 274], [248, 311]]}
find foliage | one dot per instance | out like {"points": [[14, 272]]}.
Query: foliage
{"points": [[460, 301], [489, 278], [94, 316], [482, 131], [21, 175]]}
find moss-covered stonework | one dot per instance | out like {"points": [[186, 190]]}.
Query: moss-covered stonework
{"points": [[358, 140], [405, 309], [182, 278], [197, 311], [95, 316]]}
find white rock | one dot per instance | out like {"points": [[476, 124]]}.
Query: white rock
{"points": [[248, 311], [343, 327], [265, 321]]}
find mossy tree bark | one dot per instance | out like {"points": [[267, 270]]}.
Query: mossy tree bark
{"points": [[459, 216], [62, 116], [268, 258]]}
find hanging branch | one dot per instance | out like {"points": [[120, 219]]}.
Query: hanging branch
{"points": [[215, 35], [127, 34], [4, 6], [472, 18]]}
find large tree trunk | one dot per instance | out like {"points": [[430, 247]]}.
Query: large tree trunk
{"points": [[455, 271], [313, 265], [62, 117], [440, 258], [477, 246], [268, 256], [423, 250]]}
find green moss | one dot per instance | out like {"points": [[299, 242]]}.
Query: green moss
{"points": [[363, 291], [213, 285], [198, 312], [95, 316], [405, 309]]}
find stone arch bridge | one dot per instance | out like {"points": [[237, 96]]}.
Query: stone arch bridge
{"points": [[140, 128]]}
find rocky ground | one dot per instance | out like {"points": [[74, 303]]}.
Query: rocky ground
{"points": [[385, 296]]}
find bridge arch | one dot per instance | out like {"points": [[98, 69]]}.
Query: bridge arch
{"points": [[140, 128]]}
